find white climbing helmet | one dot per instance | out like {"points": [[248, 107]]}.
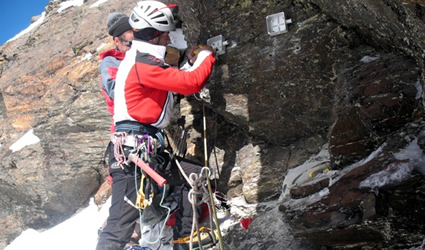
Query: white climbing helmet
{"points": [[153, 14]]}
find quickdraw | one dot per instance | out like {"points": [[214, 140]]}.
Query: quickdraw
{"points": [[141, 201]]}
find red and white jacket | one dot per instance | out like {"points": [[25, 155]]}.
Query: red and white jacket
{"points": [[111, 60], [145, 84]]}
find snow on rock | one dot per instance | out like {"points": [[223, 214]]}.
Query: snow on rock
{"points": [[414, 154], [367, 59], [68, 4], [78, 232], [302, 174], [31, 27], [98, 3], [411, 157], [28, 139]]}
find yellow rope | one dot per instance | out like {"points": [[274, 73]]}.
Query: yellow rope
{"points": [[220, 240]]}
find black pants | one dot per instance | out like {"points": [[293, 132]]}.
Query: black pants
{"points": [[122, 216]]}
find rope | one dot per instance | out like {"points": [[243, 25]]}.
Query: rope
{"points": [[203, 95], [198, 190], [193, 197], [119, 139], [165, 220], [142, 149], [146, 147], [182, 171], [208, 179], [207, 191], [193, 181]]}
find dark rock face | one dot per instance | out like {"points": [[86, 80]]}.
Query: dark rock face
{"points": [[363, 207], [347, 74], [372, 101]]}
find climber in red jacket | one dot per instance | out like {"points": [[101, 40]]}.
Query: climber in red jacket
{"points": [[122, 34], [144, 93]]}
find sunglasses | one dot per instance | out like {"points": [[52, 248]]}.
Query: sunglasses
{"points": [[127, 43]]}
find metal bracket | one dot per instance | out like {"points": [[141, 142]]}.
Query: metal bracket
{"points": [[218, 44], [277, 24]]}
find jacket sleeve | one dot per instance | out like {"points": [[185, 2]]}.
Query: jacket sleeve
{"points": [[181, 81], [108, 71]]}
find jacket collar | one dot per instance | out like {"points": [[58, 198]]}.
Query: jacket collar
{"points": [[157, 51], [112, 52]]}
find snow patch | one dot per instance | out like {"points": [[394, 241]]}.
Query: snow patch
{"points": [[101, 46], [31, 27], [98, 3], [413, 158], [28, 139], [78, 232], [87, 57], [68, 4], [239, 206], [300, 174], [413, 153], [395, 173], [368, 59], [357, 164]]}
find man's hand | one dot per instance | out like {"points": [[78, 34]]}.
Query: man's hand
{"points": [[193, 53]]}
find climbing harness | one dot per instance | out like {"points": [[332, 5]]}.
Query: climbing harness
{"points": [[145, 149]]}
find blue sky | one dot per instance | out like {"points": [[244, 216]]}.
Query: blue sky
{"points": [[16, 16]]}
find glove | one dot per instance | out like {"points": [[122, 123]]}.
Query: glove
{"points": [[201, 47], [193, 53]]}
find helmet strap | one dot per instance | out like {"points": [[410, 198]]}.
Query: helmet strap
{"points": [[159, 38]]}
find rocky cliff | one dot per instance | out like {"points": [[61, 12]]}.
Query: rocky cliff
{"points": [[316, 133]]}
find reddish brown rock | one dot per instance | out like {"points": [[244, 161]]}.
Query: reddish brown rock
{"points": [[272, 103]]}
